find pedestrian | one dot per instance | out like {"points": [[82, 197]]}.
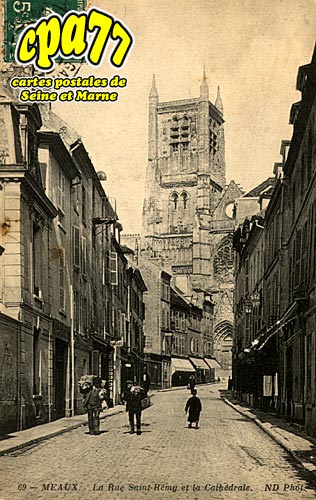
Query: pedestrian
{"points": [[191, 384], [133, 397], [194, 407], [93, 405]]}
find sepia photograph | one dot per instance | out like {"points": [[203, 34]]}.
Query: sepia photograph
{"points": [[157, 250]]}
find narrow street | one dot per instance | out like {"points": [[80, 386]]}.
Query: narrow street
{"points": [[167, 461]]}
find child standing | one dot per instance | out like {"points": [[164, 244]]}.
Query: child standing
{"points": [[194, 407]]}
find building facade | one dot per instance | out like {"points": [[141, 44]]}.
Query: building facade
{"points": [[281, 346], [188, 212], [64, 308]]}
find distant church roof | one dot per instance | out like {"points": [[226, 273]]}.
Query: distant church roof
{"points": [[261, 188]]}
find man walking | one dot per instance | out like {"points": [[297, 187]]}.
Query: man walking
{"points": [[133, 398], [93, 404]]}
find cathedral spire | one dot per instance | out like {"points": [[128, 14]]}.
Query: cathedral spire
{"points": [[219, 102], [204, 93], [153, 91]]}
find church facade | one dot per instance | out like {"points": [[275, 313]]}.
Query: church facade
{"points": [[189, 211]]}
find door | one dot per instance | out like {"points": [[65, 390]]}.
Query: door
{"points": [[61, 352]]}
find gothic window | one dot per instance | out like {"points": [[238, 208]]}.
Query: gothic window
{"points": [[184, 199], [224, 260], [174, 129], [174, 199], [184, 128]]}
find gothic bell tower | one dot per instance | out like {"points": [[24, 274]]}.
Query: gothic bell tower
{"points": [[185, 179]]}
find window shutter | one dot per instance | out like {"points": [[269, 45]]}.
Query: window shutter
{"points": [[84, 254], [113, 268], [297, 259], [61, 278], [76, 246]]}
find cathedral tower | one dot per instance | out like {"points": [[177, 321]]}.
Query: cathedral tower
{"points": [[186, 176], [188, 212]]}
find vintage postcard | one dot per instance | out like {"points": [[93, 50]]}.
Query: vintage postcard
{"points": [[157, 250]]}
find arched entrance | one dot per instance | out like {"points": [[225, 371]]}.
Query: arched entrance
{"points": [[223, 343]]}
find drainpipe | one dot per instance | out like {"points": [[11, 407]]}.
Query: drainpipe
{"points": [[72, 352]]}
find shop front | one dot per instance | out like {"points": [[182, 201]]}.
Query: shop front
{"points": [[203, 372], [181, 369]]}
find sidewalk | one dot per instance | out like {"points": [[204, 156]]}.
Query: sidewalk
{"points": [[29, 437], [34, 435], [301, 446]]}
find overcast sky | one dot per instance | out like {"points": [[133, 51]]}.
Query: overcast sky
{"points": [[251, 48]]}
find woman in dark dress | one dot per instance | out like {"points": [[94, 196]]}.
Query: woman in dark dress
{"points": [[194, 407]]}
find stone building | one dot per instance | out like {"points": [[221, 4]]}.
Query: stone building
{"points": [[26, 294], [192, 327], [297, 340], [63, 275], [277, 343], [158, 334], [188, 212]]}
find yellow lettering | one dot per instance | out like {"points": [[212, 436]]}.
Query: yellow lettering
{"points": [[70, 36], [25, 52], [123, 46], [73, 35], [48, 33], [104, 23]]}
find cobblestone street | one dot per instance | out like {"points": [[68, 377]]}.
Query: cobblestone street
{"points": [[167, 461]]}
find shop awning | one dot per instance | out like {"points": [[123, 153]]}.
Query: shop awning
{"points": [[199, 363], [181, 365], [212, 363]]}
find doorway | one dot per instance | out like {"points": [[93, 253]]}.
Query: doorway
{"points": [[61, 355]]}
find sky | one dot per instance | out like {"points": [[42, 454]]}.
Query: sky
{"points": [[250, 48]]}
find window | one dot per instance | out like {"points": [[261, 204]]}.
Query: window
{"points": [[84, 315], [84, 206], [165, 316], [36, 259], [76, 319], [297, 264], [176, 345], [76, 246], [182, 346], [61, 191], [61, 278], [84, 255], [174, 200], [113, 268], [148, 341], [165, 293], [184, 199], [195, 346]]}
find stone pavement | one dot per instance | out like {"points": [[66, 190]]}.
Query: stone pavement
{"points": [[29, 437], [228, 458], [299, 444]]}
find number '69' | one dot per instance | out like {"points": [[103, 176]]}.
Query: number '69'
{"points": [[73, 36]]}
